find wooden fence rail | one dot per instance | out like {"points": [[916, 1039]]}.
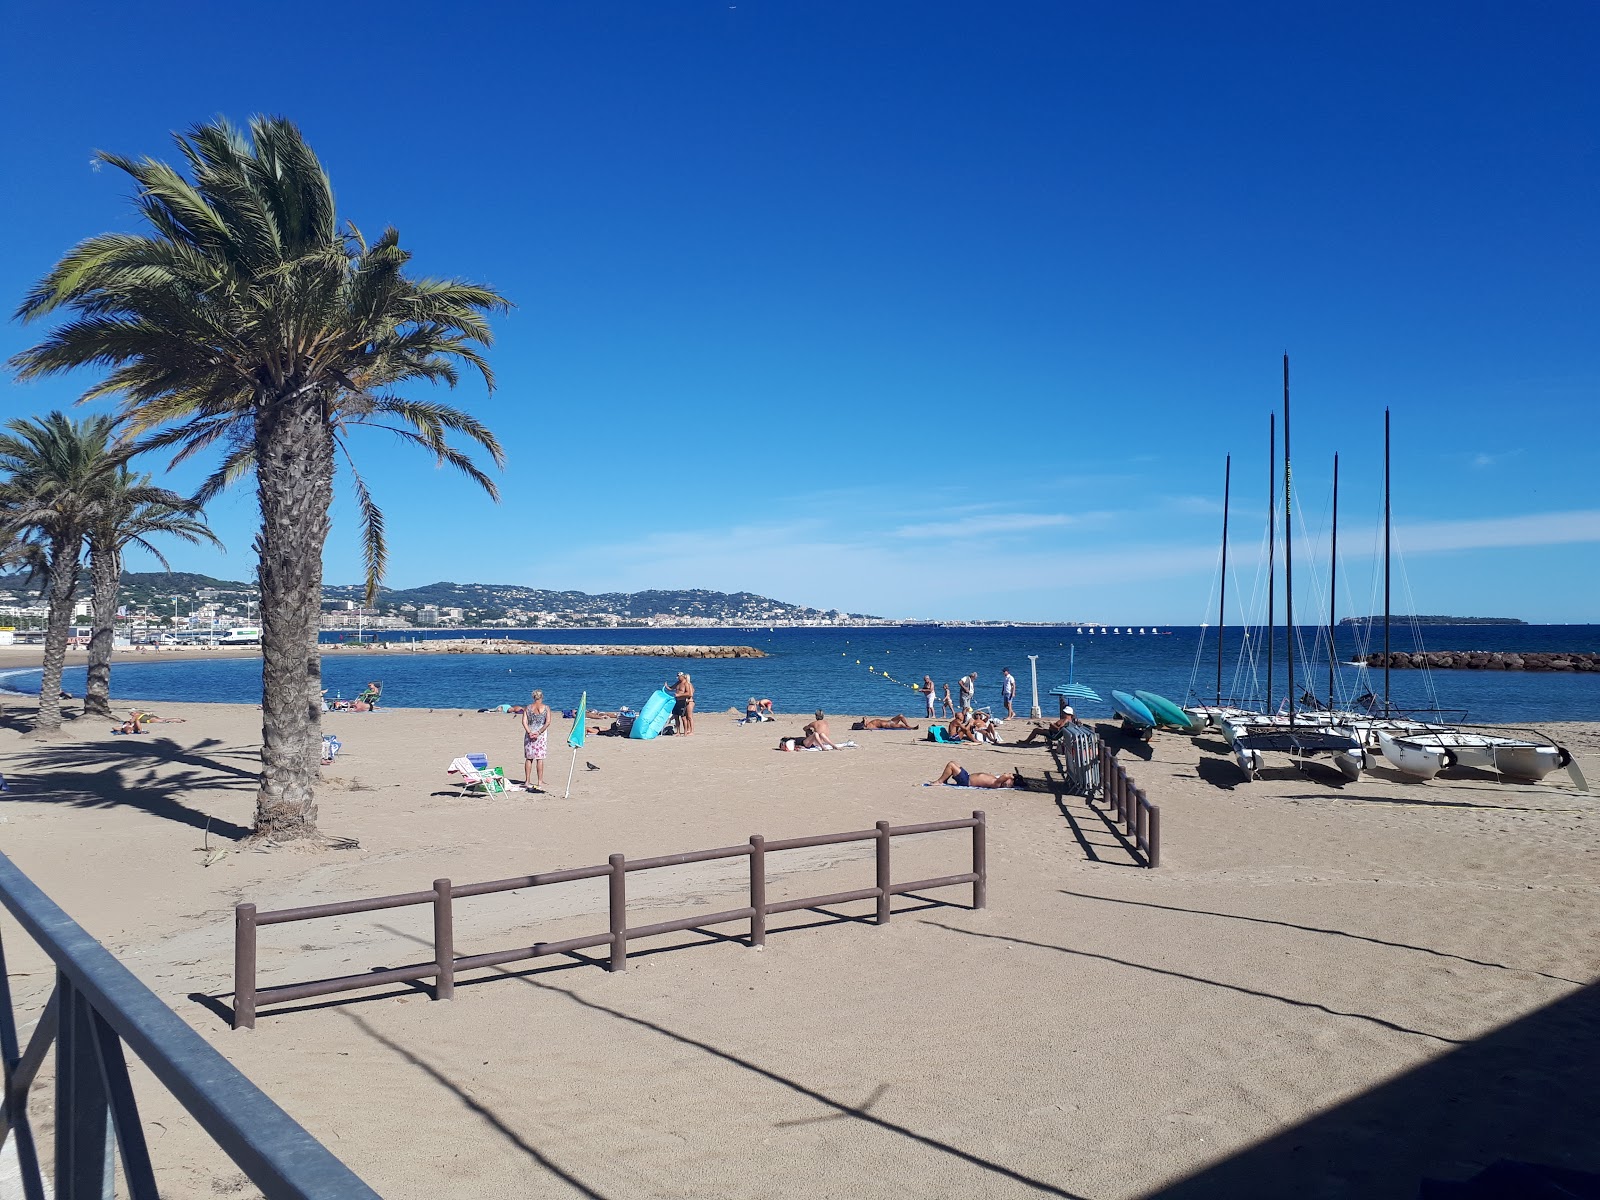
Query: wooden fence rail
{"points": [[445, 965], [1129, 806]]}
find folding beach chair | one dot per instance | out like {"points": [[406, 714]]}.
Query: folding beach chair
{"points": [[330, 748], [477, 778]]}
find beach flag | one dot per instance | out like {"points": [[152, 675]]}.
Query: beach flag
{"points": [[575, 739]]}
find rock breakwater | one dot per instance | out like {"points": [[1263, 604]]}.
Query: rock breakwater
{"points": [[1485, 660], [507, 646]]}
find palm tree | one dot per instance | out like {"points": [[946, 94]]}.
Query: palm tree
{"points": [[248, 320], [54, 469], [128, 511]]}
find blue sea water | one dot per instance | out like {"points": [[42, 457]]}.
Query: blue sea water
{"points": [[855, 671]]}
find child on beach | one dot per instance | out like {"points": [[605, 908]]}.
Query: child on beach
{"points": [[949, 708]]}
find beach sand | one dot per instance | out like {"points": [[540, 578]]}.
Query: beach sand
{"points": [[1329, 989]]}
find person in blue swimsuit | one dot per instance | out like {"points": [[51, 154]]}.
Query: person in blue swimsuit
{"points": [[958, 776]]}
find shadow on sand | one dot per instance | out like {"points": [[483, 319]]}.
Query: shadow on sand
{"points": [[1525, 1091], [148, 773]]}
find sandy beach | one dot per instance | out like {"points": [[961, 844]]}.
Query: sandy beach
{"points": [[1330, 988]]}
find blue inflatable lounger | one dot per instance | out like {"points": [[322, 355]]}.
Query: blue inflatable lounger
{"points": [[653, 717]]}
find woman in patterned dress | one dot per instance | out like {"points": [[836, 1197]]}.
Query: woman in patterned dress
{"points": [[535, 725]]}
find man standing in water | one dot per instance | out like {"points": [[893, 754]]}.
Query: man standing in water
{"points": [[1008, 690], [927, 693]]}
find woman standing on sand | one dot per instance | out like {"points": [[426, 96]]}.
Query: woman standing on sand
{"points": [[535, 724]]}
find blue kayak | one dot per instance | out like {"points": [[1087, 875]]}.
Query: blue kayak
{"points": [[1131, 710], [653, 717], [1165, 711]]}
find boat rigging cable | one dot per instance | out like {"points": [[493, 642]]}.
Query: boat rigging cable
{"points": [[1222, 597], [1288, 546]]}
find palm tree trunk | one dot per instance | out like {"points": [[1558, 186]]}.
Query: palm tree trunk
{"points": [[294, 480], [105, 568], [63, 585]]}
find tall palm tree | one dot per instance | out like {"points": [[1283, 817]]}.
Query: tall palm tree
{"points": [[128, 511], [53, 470], [248, 320]]}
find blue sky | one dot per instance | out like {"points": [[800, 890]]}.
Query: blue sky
{"points": [[925, 309]]}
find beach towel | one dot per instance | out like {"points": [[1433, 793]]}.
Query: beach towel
{"points": [[936, 733]]}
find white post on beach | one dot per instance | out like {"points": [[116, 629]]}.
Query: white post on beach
{"points": [[567, 795], [1033, 665]]}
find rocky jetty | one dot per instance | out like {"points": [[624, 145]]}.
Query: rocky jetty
{"points": [[508, 646], [1485, 660]]}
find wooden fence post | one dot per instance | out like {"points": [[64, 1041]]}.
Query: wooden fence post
{"points": [[1154, 859], [758, 890], [444, 941], [619, 913], [244, 966], [980, 859], [883, 873]]}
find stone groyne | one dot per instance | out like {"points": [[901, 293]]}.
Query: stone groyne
{"points": [[507, 646], [1485, 660]]}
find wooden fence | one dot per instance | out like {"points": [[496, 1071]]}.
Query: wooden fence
{"points": [[1129, 806], [442, 896]]}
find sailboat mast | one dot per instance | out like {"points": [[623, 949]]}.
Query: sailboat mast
{"points": [[1333, 582], [1386, 562], [1272, 545], [1222, 596], [1288, 543]]}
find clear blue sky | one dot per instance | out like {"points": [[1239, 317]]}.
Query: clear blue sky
{"points": [[917, 308]]}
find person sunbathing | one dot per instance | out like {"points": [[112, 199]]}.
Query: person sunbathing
{"points": [[816, 736], [132, 724], [983, 729], [959, 729], [1051, 732], [898, 721], [958, 776]]}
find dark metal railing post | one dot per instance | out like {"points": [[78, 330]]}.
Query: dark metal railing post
{"points": [[444, 941], [83, 1117], [619, 913], [244, 966], [758, 890], [980, 860], [1141, 827], [1154, 859], [883, 873]]}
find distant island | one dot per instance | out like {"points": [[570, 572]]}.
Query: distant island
{"points": [[1433, 619]]}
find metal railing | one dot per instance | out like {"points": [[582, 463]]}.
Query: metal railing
{"points": [[1129, 806], [99, 1007], [442, 896], [1078, 752]]}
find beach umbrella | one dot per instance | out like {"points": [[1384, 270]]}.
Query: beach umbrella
{"points": [[1077, 691]]}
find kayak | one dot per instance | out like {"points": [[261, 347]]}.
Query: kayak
{"points": [[653, 717], [1166, 712], [1131, 710]]}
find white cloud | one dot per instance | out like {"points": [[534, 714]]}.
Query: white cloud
{"points": [[984, 526], [1532, 529]]}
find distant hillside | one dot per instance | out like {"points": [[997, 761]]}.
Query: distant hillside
{"points": [[505, 597], [1407, 619]]}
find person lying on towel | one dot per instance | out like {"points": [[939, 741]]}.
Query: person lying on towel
{"points": [[958, 776], [898, 721]]}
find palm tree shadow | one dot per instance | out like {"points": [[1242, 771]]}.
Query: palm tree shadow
{"points": [[153, 774]]}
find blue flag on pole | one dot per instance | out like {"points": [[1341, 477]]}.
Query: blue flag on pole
{"points": [[575, 738]]}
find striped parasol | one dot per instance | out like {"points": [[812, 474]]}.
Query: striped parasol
{"points": [[1077, 691]]}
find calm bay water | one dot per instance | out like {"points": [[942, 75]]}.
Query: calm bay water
{"points": [[841, 670]]}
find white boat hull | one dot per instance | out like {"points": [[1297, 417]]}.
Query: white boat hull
{"points": [[1422, 762]]}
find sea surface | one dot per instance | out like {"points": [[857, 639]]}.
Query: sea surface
{"points": [[854, 671]]}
